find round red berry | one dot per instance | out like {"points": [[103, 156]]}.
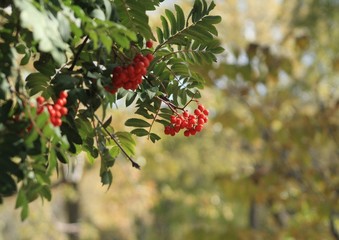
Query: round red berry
{"points": [[117, 69], [56, 121], [150, 57], [61, 101], [40, 100], [57, 107], [63, 94], [149, 44], [199, 127], [206, 112], [63, 111], [201, 107], [197, 112]]}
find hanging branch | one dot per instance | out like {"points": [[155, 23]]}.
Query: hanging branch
{"points": [[77, 55], [114, 138]]}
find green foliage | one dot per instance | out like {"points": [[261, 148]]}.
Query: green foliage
{"points": [[74, 47], [183, 43]]}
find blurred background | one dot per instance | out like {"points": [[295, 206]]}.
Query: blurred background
{"points": [[265, 167]]}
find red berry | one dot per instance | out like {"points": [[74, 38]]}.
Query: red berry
{"points": [[192, 131], [201, 121], [201, 107], [57, 107], [57, 114], [40, 100], [167, 130], [150, 57], [177, 129], [56, 121], [192, 121], [63, 94], [140, 65], [113, 90], [149, 44], [143, 71], [137, 58], [40, 109], [123, 77], [51, 110], [187, 133], [197, 112], [173, 119], [139, 80], [206, 112], [183, 124], [63, 111], [130, 70], [117, 69], [178, 122], [61, 101], [128, 86], [199, 127], [146, 62], [185, 114]]}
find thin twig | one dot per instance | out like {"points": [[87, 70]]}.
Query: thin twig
{"points": [[155, 117], [77, 55], [114, 138]]}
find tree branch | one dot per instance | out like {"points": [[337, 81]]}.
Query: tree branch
{"points": [[77, 55], [114, 138]]}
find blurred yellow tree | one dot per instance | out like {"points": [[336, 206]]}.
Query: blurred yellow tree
{"points": [[268, 167], [267, 164]]}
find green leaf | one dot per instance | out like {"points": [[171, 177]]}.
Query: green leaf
{"points": [[133, 15], [160, 35], [45, 192], [37, 82], [45, 29], [127, 142], [165, 27], [98, 13], [21, 48], [107, 122], [114, 151], [159, 68], [71, 133], [52, 161], [143, 112], [135, 122], [172, 21], [154, 137], [130, 97], [106, 178], [64, 26], [26, 58], [108, 9], [61, 156], [65, 81], [140, 132], [46, 65], [180, 17], [22, 201], [106, 41]]}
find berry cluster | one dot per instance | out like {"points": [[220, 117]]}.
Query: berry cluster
{"points": [[56, 110], [130, 77], [192, 123]]}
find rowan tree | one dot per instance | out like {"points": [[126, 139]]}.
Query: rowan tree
{"points": [[89, 56]]}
